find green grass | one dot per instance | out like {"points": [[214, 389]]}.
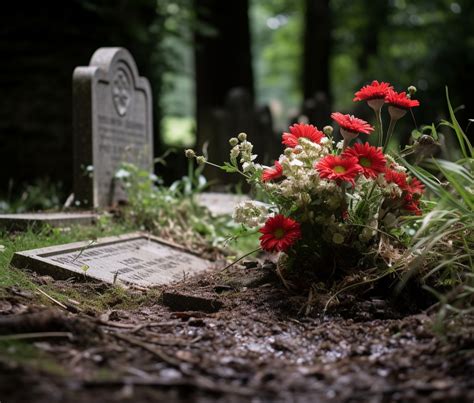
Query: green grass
{"points": [[442, 249], [24, 353], [86, 294]]}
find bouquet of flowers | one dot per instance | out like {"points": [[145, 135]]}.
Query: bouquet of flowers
{"points": [[328, 202]]}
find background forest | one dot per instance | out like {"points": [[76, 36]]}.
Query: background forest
{"points": [[288, 57]]}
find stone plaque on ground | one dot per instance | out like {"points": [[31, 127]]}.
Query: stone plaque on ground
{"points": [[137, 258], [27, 220], [220, 203], [113, 123]]}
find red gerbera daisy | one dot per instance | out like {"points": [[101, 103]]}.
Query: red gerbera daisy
{"points": [[400, 100], [399, 178], [370, 158], [301, 130], [273, 172], [375, 90], [411, 205], [415, 187], [351, 123], [279, 233], [339, 169]]}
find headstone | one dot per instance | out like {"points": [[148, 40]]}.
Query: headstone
{"points": [[27, 220], [220, 203], [113, 123], [137, 258]]}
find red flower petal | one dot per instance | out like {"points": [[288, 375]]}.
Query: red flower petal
{"points": [[272, 173], [400, 100], [279, 233], [339, 169], [351, 123], [399, 178], [415, 187], [375, 90], [301, 130], [371, 159]]}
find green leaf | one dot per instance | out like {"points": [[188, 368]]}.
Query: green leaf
{"points": [[229, 168], [464, 142]]}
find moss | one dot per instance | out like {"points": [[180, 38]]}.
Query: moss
{"points": [[90, 296], [23, 353]]}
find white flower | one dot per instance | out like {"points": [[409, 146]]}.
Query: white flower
{"points": [[250, 213], [234, 152], [122, 174]]}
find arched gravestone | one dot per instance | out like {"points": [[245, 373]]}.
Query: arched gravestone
{"points": [[113, 123]]}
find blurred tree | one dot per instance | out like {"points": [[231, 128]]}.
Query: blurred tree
{"points": [[222, 53], [277, 48], [41, 44], [317, 41], [427, 43], [316, 61], [224, 76]]}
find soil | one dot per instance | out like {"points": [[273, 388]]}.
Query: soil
{"points": [[259, 342]]}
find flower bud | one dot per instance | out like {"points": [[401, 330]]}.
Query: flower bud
{"points": [[189, 153], [327, 130], [201, 160], [233, 141], [411, 90], [338, 239], [242, 136], [234, 153]]}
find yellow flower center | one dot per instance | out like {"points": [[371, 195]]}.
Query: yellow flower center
{"points": [[339, 169], [365, 162], [279, 233]]}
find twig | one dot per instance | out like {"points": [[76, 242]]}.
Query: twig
{"points": [[152, 324], [197, 382], [39, 335], [117, 324], [52, 299], [160, 354], [240, 258]]}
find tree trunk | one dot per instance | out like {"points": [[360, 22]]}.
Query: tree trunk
{"points": [[316, 55], [223, 65]]}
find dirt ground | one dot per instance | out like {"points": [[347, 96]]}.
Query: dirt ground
{"points": [[250, 340]]}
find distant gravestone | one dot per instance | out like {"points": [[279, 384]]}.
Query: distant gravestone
{"points": [[220, 203], [113, 123], [24, 221], [137, 258]]}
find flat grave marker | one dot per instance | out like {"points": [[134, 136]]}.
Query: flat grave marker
{"points": [[112, 122], [138, 259], [220, 203], [23, 221]]}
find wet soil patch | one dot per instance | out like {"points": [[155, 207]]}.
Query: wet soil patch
{"points": [[256, 344]]}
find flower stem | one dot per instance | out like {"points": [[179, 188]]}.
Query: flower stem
{"points": [[378, 118], [240, 258], [218, 166], [390, 130], [345, 144]]}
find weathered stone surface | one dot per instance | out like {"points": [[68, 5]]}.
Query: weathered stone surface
{"points": [[220, 203], [27, 220], [179, 301], [112, 118], [136, 258]]}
